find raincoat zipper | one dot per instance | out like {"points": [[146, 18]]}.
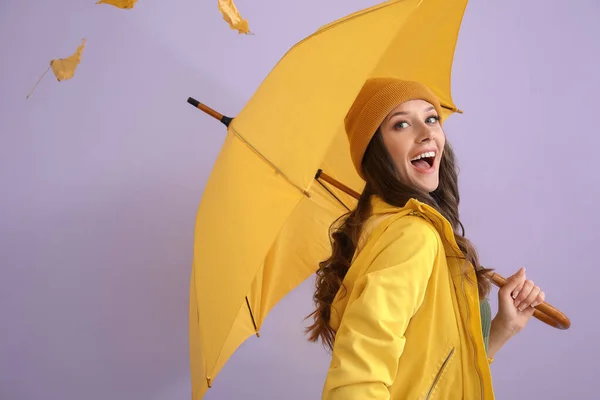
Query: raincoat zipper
{"points": [[471, 339], [462, 280], [439, 374]]}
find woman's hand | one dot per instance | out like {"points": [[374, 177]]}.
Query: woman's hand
{"points": [[516, 302]]}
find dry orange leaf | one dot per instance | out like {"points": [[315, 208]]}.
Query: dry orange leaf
{"points": [[63, 68], [124, 4], [233, 17]]}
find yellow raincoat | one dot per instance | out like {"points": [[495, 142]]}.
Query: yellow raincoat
{"points": [[409, 325]]}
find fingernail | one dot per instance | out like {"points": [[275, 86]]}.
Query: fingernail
{"points": [[515, 294], [517, 303]]}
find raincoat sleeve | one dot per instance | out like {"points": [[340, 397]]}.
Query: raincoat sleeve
{"points": [[370, 339]]}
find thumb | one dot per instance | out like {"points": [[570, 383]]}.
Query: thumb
{"points": [[515, 280]]}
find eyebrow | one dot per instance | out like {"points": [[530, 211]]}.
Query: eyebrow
{"points": [[406, 113]]}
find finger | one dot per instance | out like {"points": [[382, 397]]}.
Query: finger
{"points": [[528, 312], [527, 286], [517, 290], [514, 281], [539, 300], [530, 298]]}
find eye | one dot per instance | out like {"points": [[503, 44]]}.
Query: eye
{"points": [[401, 125], [434, 119]]}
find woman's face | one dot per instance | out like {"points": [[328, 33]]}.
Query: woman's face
{"points": [[414, 138]]}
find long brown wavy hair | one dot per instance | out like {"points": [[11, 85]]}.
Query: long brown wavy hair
{"points": [[382, 180]]}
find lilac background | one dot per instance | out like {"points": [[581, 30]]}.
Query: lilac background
{"points": [[100, 179]]}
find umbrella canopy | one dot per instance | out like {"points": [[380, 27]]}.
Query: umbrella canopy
{"points": [[263, 220]]}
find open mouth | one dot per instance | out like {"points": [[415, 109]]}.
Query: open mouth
{"points": [[424, 160]]}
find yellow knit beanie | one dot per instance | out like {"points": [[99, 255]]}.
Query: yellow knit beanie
{"points": [[377, 98]]}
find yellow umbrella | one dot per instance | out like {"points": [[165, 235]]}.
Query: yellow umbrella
{"points": [[263, 220]]}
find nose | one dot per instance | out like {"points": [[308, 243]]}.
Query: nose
{"points": [[425, 134]]}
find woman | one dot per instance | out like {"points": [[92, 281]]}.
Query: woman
{"points": [[401, 302]]}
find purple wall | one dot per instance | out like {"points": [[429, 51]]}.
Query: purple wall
{"points": [[101, 176]]}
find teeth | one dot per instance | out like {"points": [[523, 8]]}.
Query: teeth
{"points": [[424, 155]]}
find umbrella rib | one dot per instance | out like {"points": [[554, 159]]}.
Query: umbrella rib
{"points": [[208, 378], [333, 194], [265, 159], [252, 317]]}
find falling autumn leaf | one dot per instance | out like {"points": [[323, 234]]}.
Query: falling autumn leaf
{"points": [[124, 4], [63, 68], [233, 17]]}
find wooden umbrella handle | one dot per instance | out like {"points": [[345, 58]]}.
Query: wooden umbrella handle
{"points": [[544, 312]]}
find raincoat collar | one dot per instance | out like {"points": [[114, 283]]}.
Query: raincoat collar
{"points": [[379, 206], [418, 208]]}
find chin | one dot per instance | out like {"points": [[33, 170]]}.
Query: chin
{"points": [[428, 186]]}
